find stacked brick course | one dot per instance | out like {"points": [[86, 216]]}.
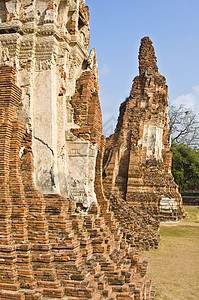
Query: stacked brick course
{"points": [[137, 160], [48, 250]]}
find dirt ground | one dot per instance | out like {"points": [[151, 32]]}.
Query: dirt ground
{"points": [[174, 267]]}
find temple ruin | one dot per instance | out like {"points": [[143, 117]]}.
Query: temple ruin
{"points": [[71, 225], [137, 160]]}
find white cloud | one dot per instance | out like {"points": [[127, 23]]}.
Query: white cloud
{"points": [[190, 100]]}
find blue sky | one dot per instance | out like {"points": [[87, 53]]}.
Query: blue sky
{"points": [[116, 30]]}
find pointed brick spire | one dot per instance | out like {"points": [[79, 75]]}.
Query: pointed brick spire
{"points": [[147, 58]]}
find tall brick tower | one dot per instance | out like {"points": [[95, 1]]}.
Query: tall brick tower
{"points": [[137, 161]]}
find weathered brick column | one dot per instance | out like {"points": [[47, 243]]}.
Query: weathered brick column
{"points": [[11, 224], [137, 160]]}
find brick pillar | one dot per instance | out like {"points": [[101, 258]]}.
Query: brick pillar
{"points": [[9, 100]]}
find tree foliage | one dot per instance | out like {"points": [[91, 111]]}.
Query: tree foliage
{"points": [[185, 166], [183, 125]]}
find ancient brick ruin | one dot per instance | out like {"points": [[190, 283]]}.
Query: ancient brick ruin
{"points": [[48, 249], [137, 160], [62, 235]]}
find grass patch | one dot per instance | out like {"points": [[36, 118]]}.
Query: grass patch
{"points": [[193, 214], [177, 231], [173, 267]]}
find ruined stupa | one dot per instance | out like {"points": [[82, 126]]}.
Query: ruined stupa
{"points": [[137, 160]]}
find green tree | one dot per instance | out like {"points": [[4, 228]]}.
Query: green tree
{"points": [[185, 166], [184, 125]]}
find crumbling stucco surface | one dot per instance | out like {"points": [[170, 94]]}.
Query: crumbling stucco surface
{"points": [[48, 42]]}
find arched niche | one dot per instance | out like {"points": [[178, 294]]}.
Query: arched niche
{"points": [[10, 9], [62, 13], [60, 8]]}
